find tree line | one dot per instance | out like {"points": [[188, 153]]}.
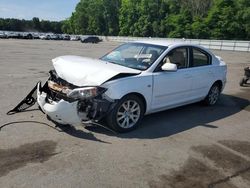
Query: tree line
{"points": [[11, 24], [205, 19]]}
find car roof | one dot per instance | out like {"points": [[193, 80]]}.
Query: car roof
{"points": [[169, 43], [156, 42]]}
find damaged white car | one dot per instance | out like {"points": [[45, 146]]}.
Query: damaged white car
{"points": [[135, 79]]}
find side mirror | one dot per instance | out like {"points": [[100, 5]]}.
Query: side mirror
{"points": [[169, 67]]}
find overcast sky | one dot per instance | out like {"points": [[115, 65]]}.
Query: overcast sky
{"points": [[55, 10]]}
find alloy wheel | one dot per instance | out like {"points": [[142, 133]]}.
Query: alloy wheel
{"points": [[214, 95], [128, 114]]}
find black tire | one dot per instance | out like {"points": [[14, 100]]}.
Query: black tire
{"points": [[243, 81], [213, 95], [29, 36], [113, 118]]}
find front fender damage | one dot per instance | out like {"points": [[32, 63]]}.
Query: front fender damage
{"points": [[63, 110]]}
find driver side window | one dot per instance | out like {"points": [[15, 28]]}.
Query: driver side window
{"points": [[178, 56]]}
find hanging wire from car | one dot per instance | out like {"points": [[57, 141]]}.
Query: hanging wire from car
{"points": [[30, 100], [21, 122]]}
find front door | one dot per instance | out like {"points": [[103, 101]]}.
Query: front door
{"points": [[172, 88]]}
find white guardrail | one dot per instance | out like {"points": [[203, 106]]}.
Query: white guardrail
{"points": [[232, 45]]}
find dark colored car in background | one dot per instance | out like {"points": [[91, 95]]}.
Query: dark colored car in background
{"points": [[90, 39], [27, 36], [65, 37]]}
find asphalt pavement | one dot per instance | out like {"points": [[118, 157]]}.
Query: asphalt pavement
{"points": [[190, 146]]}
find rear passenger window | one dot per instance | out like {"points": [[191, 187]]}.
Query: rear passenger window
{"points": [[200, 58]]}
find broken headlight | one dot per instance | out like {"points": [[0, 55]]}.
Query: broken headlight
{"points": [[86, 93]]}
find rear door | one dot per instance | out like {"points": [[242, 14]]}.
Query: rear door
{"points": [[203, 76]]}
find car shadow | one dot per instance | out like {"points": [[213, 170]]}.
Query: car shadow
{"points": [[177, 120], [246, 85], [78, 133], [170, 122]]}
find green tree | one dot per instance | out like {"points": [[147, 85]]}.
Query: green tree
{"points": [[222, 20], [94, 17], [36, 23], [30, 25], [129, 14], [111, 16], [67, 27], [244, 19], [199, 29], [216, 19]]}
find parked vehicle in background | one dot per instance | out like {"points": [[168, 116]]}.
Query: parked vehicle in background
{"points": [[27, 35], [44, 37], [35, 35], [75, 38], [3, 35], [55, 37], [65, 37], [51, 36], [90, 39], [133, 80], [14, 35]]}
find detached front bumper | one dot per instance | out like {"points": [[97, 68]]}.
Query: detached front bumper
{"points": [[62, 109], [74, 113], [62, 112]]}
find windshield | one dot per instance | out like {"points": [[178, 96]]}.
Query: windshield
{"points": [[135, 55]]}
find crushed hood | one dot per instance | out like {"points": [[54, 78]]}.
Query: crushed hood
{"points": [[82, 71]]}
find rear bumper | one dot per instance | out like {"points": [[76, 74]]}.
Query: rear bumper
{"points": [[61, 112]]}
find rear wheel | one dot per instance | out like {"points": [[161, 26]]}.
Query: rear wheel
{"points": [[127, 114], [213, 95], [243, 81]]}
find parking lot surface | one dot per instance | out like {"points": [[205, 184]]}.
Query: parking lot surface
{"points": [[191, 146]]}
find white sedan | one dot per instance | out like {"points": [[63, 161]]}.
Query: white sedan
{"points": [[135, 79]]}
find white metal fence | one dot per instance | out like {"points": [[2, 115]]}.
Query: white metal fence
{"points": [[232, 45]]}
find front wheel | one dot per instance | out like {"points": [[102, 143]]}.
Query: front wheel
{"points": [[127, 114], [213, 95]]}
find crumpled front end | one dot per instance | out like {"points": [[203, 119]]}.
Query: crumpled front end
{"points": [[54, 101], [66, 103], [61, 111]]}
